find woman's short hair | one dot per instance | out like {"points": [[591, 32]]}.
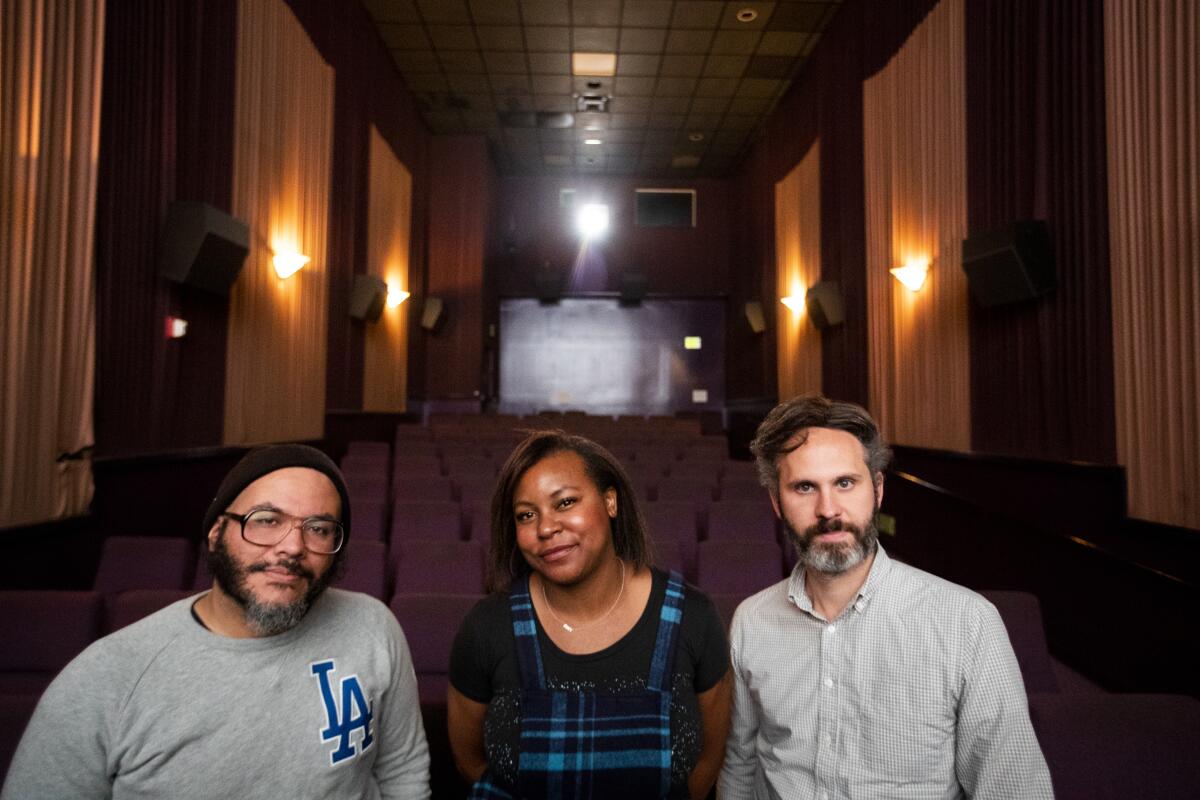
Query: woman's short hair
{"points": [[777, 435], [505, 561]]}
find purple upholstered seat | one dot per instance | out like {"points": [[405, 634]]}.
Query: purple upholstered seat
{"points": [[123, 608], [1119, 746], [730, 567], [437, 566], [415, 465], [430, 622], [709, 471], [143, 562], [380, 450], [422, 488], [726, 605], [668, 554], [441, 520], [464, 464], [730, 519], [743, 488], [41, 631], [370, 519], [698, 491], [1022, 615]]}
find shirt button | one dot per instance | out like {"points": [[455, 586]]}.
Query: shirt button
{"points": [[829, 683], [831, 629], [823, 796]]}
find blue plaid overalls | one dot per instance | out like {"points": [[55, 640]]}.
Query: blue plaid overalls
{"points": [[593, 745]]}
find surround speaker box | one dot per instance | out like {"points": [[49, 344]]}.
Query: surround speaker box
{"points": [[1009, 264], [824, 303], [203, 247], [433, 314], [755, 316], [633, 287], [367, 297], [548, 285]]}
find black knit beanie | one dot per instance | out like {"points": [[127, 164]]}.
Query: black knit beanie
{"points": [[263, 460]]}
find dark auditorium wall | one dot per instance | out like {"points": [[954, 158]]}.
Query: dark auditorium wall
{"points": [[1041, 374], [166, 134]]}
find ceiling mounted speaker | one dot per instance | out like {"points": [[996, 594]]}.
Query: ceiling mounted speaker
{"points": [[824, 303], [433, 314], [1009, 264], [755, 316], [633, 287], [203, 247], [367, 297], [548, 284]]}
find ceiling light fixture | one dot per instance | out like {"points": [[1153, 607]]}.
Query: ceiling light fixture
{"points": [[695, 136], [601, 65], [593, 141], [747, 15]]}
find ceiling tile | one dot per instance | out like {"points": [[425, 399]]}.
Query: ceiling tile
{"points": [[453, 37], [545, 12], [798, 17], [735, 122], [594, 40], [759, 87], [444, 121], [665, 121], [628, 104], [521, 137], [779, 67], [550, 63], [702, 122], [548, 40], [416, 61], [749, 105], [622, 148], [629, 135], [596, 13], [647, 14], [671, 105], [496, 37], [729, 138], [637, 64], [684, 41], [479, 102], [675, 87], [642, 40], [628, 121], [551, 84], [427, 82], [462, 61], [634, 86], [507, 63], [697, 14], [729, 18], [781, 43], [592, 121], [558, 103], [725, 66], [393, 10], [735, 42], [495, 12], [622, 163], [660, 140], [447, 12], [716, 87], [514, 103], [404, 37], [480, 120], [683, 66], [709, 105], [555, 134], [510, 84]]}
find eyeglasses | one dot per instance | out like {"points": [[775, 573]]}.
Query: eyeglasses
{"points": [[267, 528]]}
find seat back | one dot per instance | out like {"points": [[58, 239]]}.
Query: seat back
{"points": [[433, 520], [42, 630], [1022, 615], [731, 567], [124, 608], [143, 562], [437, 566], [730, 520], [366, 568]]}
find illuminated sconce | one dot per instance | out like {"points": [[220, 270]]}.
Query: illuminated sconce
{"points": [[288, 264], [795, 303], [592, 220], [912, 274], [395, 295]]}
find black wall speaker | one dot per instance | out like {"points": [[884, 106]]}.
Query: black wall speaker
{"points": [[367, 297], [433, 314], [548, 284], [824, 303], [756, 317], [203, 247], [1009, 264], [633, 287]]}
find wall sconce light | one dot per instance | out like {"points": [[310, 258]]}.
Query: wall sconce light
{"points": [[288, 264], [912, 274], [795, 303], [396, 295]]}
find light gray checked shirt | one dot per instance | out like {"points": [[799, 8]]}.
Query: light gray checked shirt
{"points": [[913, 692]]}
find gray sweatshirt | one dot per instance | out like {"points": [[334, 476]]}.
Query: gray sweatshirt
{"points": [[166, 709]]}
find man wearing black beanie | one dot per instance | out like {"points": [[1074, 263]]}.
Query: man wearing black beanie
{"points": [[266, 686]]}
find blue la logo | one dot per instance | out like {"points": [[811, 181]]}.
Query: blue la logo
{"points": [[353, 713]]}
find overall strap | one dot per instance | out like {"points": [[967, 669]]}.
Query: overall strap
{"points": [[663, 662], [529, 655]]}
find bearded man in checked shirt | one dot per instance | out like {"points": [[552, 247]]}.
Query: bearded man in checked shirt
{"points": [[859, 676]]}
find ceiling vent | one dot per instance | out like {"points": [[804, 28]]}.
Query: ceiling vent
{"points": [[592, 103]]}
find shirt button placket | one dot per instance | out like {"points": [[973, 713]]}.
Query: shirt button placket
{"points": [[827, 718]]}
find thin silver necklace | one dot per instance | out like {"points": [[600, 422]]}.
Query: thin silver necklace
{"points": [[571, 629]]}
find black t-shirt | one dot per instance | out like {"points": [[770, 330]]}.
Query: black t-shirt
{"points": [[484, 668]]}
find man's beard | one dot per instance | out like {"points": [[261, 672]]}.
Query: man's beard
{"points": [[266, 619], [834, 558]]}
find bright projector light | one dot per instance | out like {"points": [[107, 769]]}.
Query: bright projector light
{"points": [[592, 220]]}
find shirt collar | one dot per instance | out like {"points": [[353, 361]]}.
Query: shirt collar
{"points": [[875, 577]]}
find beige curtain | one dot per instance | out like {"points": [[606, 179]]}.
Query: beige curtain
{"points": [[51, 57], [797, 267], [283, 129], [914, 119], [385, 356], [1152, 53]]}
